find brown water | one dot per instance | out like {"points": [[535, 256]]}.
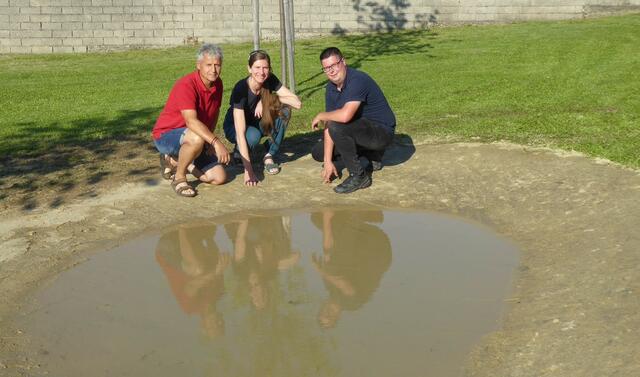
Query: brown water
{"points": [[329, 293]]}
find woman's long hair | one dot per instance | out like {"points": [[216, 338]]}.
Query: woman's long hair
{"points": [[271, 105], [272, 109]]}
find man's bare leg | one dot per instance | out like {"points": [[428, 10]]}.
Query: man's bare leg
{"points": [[191, 147]]}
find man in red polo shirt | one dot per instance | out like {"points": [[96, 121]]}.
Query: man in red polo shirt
{"points": [[184, 129]]}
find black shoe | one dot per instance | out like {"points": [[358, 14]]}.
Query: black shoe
{"points": [[353, 183], [373, 166]]}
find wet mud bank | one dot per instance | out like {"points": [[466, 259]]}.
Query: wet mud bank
{"points": [[574, 308]]}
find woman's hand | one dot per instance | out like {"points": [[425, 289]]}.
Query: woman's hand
{"points": [[250, 178], [258, 112]]}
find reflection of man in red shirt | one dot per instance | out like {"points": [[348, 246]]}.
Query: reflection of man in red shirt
{"points": [[183, 133], [194, 267]]}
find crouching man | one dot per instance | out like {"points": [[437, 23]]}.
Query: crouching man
{"points": [[358, 122], [184, 132]]}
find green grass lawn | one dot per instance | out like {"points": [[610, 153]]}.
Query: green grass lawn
{"points": [[572, 84]]}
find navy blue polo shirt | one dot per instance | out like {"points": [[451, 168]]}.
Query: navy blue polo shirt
{"points": [[358, 86]]}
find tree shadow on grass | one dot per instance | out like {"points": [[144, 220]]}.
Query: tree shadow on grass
{"points": [[37, 160], [370, 47]]}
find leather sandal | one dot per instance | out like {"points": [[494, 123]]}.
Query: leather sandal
{"points": [[181, 186], [166, 170], [270, 168]]}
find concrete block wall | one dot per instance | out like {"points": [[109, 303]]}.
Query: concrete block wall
{"points": [[51, 26]]}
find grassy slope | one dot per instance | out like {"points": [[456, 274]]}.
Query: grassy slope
{"points": [[571, 84]]}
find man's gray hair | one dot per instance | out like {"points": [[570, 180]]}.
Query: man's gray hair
{"points": [[210, 49]]}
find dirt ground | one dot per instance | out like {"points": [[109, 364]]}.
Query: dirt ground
{"points": [[574, 308]]}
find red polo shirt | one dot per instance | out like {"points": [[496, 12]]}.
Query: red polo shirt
{"points": [[189, 93]]}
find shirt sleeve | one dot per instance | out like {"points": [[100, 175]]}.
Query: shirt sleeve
{"points": [[273, 83], [356, 91], [239, 95]]}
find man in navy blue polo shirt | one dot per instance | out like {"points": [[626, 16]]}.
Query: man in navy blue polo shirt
{"points": [[358, 119]]}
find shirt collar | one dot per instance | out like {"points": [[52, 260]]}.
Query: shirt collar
{"points": [[201, 86], [347, 77]]}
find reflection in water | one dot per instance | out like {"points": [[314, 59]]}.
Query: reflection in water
{"points": [[355, 256], [193, 265], [308, 294], [262, 247]]}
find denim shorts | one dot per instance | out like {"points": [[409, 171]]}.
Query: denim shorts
{"points": [[170, 143]]}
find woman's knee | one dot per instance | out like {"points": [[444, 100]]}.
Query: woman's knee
{"points": [[215, 176], [281, 125], [253, 136], [285, 113], [282, 121]]}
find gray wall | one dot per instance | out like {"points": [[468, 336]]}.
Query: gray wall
{"points": [[44, 26]]}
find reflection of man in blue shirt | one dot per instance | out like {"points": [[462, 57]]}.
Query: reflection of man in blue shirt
{"points": [[355, 256], [359, 122]]}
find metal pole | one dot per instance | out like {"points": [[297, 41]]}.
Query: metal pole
{"points": [[288, 7], [256, 25], [293, 28], [283, 47]]}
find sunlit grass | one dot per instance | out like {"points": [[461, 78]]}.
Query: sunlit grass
{"points": [[572, 85]]}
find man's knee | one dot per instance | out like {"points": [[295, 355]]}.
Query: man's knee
{"points": [[192, 139], [335, 129]]}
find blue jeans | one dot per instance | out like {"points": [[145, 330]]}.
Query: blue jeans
{"points": [[254, 132], [170, 143]]}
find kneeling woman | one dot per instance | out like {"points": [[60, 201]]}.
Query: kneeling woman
{"points": [[259, 106]]}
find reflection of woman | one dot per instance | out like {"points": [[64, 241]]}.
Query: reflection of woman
{"points": [[355, 256], [194, 268], [257, 110], [262, 247]]}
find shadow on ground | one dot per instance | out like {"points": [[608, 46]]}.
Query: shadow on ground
{"points": [[80, 169], [79, 156]]}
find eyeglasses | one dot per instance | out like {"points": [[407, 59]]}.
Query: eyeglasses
{"points": [[332, 66]]}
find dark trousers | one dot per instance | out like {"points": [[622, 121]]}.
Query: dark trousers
{"points": [[361, 137]]}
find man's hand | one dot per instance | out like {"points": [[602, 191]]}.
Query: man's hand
{"points": [[328, 172], [250, 178], [221, 152], [314, 123]]}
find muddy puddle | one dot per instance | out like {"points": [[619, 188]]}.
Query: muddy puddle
{"points": [[334, 292]]}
